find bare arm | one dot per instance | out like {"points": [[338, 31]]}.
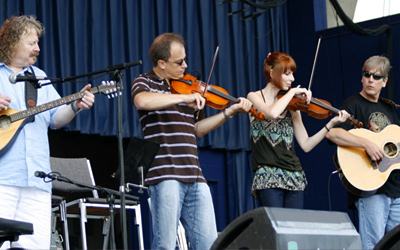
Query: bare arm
{"points": [[343, 138], [66, 114], [271, 108], [210, 123], [308, 143], [155, 101]]}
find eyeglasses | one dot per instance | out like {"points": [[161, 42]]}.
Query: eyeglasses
{"points": [[180, 62], [375, 76]]}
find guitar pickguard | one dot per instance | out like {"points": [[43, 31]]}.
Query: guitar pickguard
{"points": [[392, 157]]}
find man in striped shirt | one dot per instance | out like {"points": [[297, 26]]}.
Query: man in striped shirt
{"points": [[177, 187]]}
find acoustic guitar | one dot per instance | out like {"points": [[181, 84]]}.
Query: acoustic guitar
{"points": [[359, 174], [12, 121]]}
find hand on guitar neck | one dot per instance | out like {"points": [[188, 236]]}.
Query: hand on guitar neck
{"points": [[12, 121]]}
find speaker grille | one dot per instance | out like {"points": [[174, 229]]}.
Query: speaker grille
{"points": [[281, 228]]}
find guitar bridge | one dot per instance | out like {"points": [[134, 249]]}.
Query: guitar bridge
{"points": [[374, 164]]}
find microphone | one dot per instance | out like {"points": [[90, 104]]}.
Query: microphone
{"points": [[41, 174], [30, 78], [123, 65]]}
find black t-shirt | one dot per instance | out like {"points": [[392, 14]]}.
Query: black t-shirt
{"points": [[375, 117]]}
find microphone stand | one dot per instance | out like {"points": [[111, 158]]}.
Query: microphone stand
{"points": [[110, 199], [118, 78], [108, 69]]}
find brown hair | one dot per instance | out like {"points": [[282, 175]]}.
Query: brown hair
{"points": [[11, 33], [280, 63], [160, 49]]}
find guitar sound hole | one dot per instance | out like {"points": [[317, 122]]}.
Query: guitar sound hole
{"points": [[390, 149], [5, 122]]}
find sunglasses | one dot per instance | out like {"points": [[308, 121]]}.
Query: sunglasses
{"points": [[375, 76], [180, 62]]}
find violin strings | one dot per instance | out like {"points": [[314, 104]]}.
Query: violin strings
{"points": [[222, 94], [324, 105]]}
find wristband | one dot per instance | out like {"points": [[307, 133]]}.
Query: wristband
{"points": [[227, 117], [75, 110], [327, 128]]}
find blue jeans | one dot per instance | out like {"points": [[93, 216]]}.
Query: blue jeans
{"points": [[377, 214], [277, 197], [191, 203]]}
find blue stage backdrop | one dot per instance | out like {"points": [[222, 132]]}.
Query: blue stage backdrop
{"points": [[90, 35], [84, 36]]}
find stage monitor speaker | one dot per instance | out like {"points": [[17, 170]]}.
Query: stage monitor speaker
{"points": [[391, 240], [283, 228]]}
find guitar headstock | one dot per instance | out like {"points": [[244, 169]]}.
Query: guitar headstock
{"points": [[110, 89]]}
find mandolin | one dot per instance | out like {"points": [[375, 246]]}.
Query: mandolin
{"points": [[12, 121]]}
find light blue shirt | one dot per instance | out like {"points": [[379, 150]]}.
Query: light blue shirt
{"points": [[30, 151]]}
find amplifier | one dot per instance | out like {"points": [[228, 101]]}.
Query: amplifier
{"points": [[284, 228]]}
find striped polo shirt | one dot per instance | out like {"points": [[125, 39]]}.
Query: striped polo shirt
{"points": [[173, 129]]}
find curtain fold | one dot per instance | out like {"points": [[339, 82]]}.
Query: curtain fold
{"points": [[84, 36], [240, 177]]}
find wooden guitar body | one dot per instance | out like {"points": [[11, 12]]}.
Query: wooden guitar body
{"points": [[358, 172]]}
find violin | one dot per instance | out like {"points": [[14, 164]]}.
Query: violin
{"points": [[317, 108], [216, 97]]}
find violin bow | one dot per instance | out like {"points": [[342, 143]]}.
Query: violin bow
{"points": [[353, 120], [211, 70], [315, 61]]}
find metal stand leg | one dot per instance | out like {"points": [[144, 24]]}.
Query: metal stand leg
{"points": [[138, 221], [62, 214], [83, 220], [106, 233], [64, 220]]}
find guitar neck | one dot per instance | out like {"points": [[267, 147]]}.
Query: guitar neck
{"points": [[53, 104]]}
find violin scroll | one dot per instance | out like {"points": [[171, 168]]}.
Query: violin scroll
{"points": [[259, 116], [355, 122]]}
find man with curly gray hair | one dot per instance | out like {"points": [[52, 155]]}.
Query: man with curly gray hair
{"points": [[24, 197]]}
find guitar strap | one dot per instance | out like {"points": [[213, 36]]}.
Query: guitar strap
{"points": [[388, 101], [30, 94]]}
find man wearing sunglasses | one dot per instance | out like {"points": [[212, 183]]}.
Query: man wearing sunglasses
{"points": [[380, 212], [177, 187]]}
